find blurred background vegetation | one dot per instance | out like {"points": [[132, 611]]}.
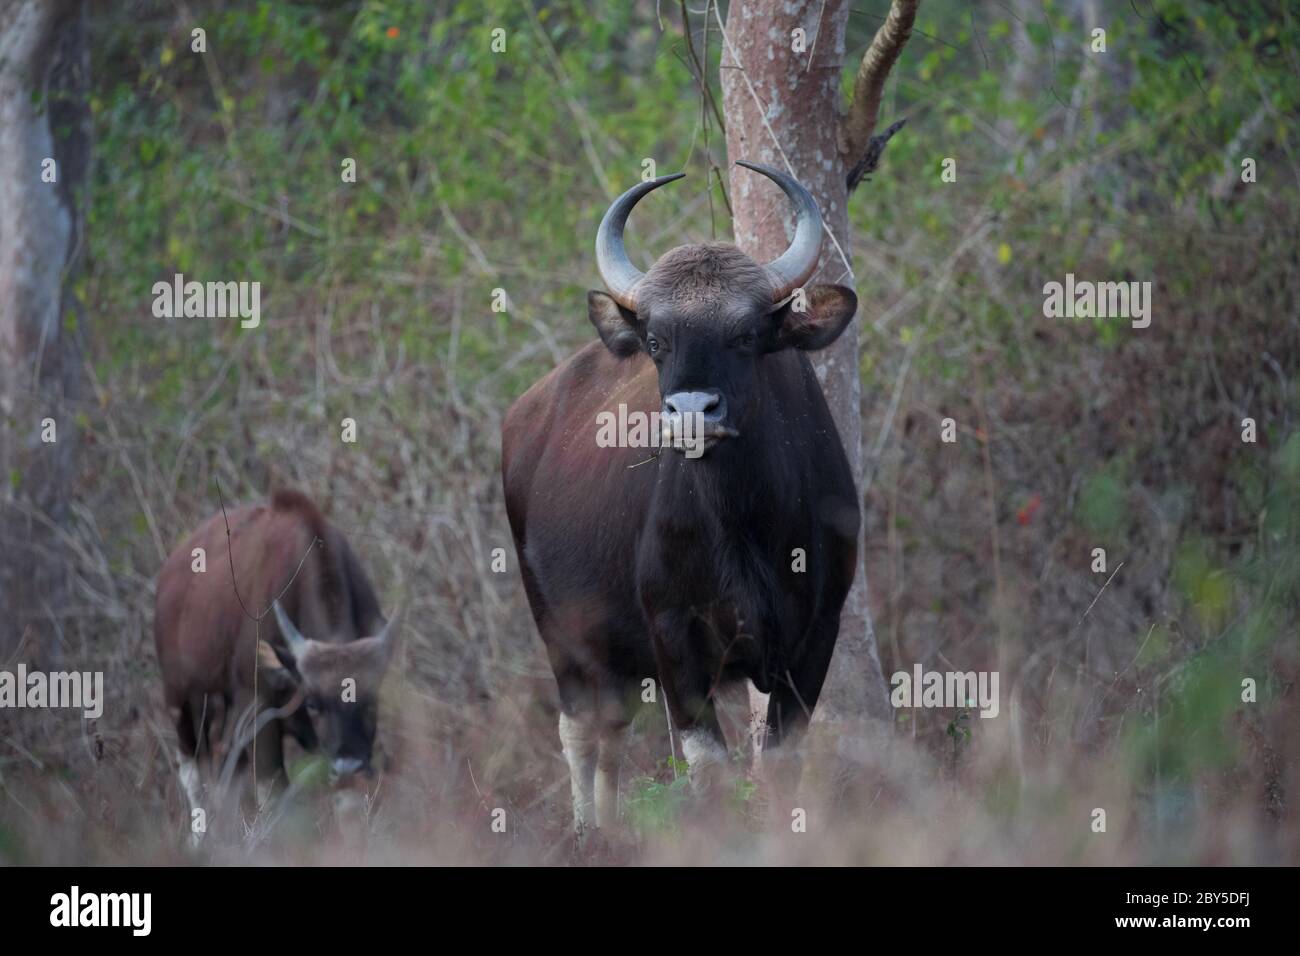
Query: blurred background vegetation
{"points": [[478, 171]]}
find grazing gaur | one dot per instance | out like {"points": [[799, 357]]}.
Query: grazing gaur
{"points": [[695, 570], [322, 655]]}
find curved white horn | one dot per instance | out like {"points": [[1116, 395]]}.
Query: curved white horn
{"points": [[388, 633], [793, 268], [616, 269], [292, 636]]}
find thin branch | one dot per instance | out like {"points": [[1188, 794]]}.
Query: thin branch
{"points": [[696, 68], [701, 80], [869, 85]]}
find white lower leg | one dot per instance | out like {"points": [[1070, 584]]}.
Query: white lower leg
{"points": [[581, 745], [192, 787], [702, 749], [757, 718], [745, 709]]}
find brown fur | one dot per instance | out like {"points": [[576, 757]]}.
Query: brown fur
{"points": [[207, 642], [709, 272]]}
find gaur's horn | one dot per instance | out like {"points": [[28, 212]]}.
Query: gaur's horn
{"points": [[616, 269], [293, 637], [799, 262], [387, 635]]}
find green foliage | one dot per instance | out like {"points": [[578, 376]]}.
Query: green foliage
{"points": [[652, 806], [477, 170], [1206, 588], [1103, 505], [310, 772], [471, 166], [1192, 723]]}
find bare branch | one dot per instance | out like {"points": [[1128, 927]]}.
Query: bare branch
{"points": [[869, 85], [871, 156]]}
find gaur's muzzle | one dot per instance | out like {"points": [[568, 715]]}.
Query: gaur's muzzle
{"points": [[693, 422]]}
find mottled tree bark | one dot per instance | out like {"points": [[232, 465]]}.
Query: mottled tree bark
{"points": [[783, 107], [43, 116]]}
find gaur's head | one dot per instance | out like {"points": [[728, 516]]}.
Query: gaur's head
{"points": [[707, 315], [339, 685]]}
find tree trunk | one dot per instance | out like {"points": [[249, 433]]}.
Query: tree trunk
{"points": [[43, 116], [783, 108]]}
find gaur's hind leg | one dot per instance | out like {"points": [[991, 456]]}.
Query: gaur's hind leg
{"points": [[592, 715], [189, 721], [580, 738]]}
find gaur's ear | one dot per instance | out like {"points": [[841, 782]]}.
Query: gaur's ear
{"points": [[828, 309], [618, 328]]}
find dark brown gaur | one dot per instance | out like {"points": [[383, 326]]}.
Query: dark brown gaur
{"points": [[696, 571], [286, 556]]}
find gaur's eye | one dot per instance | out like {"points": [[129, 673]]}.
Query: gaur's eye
{"points": [[745, 341], [313, 705], [652, 345]]}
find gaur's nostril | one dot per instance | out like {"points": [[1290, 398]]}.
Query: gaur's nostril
{"points": [[709, 404]]}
